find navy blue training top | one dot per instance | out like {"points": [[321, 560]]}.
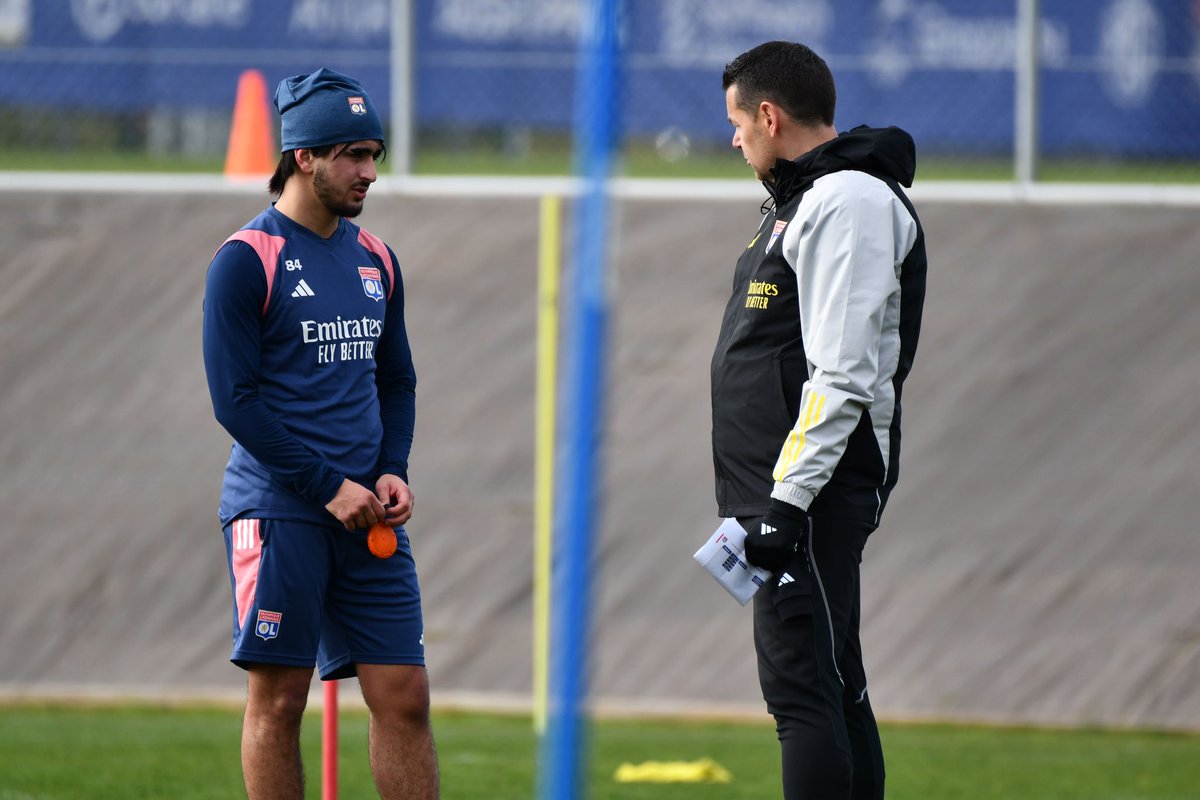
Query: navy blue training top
{"points": [[308, 365]]}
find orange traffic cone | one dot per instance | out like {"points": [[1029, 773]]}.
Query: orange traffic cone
{"points": [[252, 152]]}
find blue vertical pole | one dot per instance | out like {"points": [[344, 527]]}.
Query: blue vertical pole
{"points": [[564, 763]]}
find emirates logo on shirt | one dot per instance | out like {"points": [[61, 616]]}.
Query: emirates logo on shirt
{"points": [[759, 294]]}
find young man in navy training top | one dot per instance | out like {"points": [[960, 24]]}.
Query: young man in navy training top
{"points": [[310, 372], [816, 341]]}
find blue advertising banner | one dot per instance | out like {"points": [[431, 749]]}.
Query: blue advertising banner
{"points": [[133, 55], [1117, 76]]}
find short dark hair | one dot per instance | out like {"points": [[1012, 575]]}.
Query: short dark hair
{"points": [[788, 74], [286, 167]]}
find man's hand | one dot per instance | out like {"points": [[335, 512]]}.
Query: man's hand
{"points": [[778, 538], [355, 506], [396, 497]]}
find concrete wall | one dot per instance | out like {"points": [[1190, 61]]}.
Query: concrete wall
{"points": [[1037, 562]]}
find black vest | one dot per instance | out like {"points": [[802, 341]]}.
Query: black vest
{"points": [[758, 370]]}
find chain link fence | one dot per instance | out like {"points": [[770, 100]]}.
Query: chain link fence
{"points": [[144, 84]]}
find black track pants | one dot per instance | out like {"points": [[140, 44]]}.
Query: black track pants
{"points": [[810, 667]]}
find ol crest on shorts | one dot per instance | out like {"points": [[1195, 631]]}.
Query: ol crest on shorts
{"points": [[372, 283], [267, 626]]}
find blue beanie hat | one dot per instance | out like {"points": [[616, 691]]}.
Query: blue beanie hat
{"points": [[325, 107]]}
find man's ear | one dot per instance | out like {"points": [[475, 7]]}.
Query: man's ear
{"points": [[305, 160], [771, 116]]}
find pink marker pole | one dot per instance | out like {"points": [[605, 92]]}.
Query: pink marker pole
{"points": [[329, 743]]}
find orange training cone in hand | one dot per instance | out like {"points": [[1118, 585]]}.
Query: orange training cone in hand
{"points": [[381, 540], [252, 151]]}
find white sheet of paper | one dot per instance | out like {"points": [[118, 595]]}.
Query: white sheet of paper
{"points": [[723, 557]]}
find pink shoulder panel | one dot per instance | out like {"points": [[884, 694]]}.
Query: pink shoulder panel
{"points": [[268, 248], [376, 246]]}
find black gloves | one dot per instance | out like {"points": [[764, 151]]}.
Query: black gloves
{"points": [[778, 537]]}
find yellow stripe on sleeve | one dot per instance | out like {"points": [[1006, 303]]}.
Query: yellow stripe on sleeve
{"points": [[812, 414]]}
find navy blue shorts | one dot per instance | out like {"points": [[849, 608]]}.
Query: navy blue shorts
{"points": [[308, 594]]}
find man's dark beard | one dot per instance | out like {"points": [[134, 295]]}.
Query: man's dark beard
{"points": [[325, 195]]}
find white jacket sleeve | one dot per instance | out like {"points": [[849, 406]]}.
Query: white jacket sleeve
{"points": [[846, 243]]}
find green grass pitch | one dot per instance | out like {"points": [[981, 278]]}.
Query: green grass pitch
{"points": [[61, 752]]}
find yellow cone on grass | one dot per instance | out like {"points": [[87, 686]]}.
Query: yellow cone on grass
{"points": [[704, 770]]}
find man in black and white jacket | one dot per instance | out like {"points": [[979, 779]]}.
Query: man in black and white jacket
{"points": [[815, 344]]}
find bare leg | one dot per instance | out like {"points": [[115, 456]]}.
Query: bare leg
{"points": [[275, 700], [403, 758]]}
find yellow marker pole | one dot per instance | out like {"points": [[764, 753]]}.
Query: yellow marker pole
{"points": [[543, 492]]}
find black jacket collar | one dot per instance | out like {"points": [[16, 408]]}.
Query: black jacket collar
{"points": [[887, 153]]}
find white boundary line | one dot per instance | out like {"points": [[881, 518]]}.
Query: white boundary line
{"points": [[84, 695], [996, 192]]}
